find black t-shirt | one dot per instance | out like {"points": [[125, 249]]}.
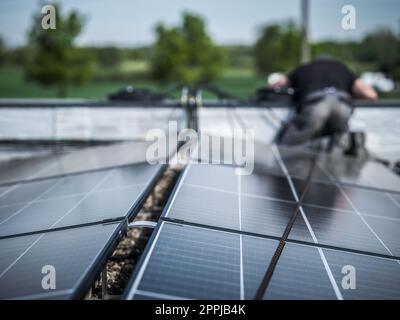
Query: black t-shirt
{"points": [[320, 74]]}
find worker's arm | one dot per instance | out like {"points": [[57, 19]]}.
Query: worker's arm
{"points": [[363, 90]]}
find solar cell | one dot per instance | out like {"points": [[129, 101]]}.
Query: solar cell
{"points": [[342, 229], [73, 253], [195, 263], [74, 200], [89, 159], [373, 202], [186, 262], [387, 231], [248, 203], [300, 275], [375, 277], [323, 194]]}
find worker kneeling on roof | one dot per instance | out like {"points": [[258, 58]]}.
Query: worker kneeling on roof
{"points": [[323, 91]]}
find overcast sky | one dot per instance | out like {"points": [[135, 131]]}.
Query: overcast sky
{"points": [[130, 22]]}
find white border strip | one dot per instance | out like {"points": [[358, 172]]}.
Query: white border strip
{"points": [[160, 296], [241, 237], [140, 274], [335, 287], [185, 172]]}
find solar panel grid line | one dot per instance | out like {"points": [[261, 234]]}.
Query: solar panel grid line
{"points": [[138, 275], [226, 230], [177, 188], [230, 121], [73, 195], [21, 255], [239, 182], [60, 249], [267, 119], [245, 194], [360, 215], [51, 296], [41, 236], [333, 247], [143, 264], [75, 226], [274, 261], [330, 275], [92, 271], [106, 176], [66, 175], [364, 221], [9, 190], [321, 253], [273, 119], [187, 222], [85, 212], [160, 296], [393, 199], [32, 201], [214, 284]]}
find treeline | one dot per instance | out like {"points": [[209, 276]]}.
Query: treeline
{"points": [[185, 53]]}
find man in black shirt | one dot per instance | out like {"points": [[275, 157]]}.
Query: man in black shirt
{"points": [[323, 92]]}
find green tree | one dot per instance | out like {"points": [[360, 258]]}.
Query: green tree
{"points": [[108, 56], [55, 60], [383, 48], [277, 48], [3, 52], [185, 53]]}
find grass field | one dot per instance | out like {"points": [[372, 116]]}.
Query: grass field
{"points": [[238, 81], [13, 84]]}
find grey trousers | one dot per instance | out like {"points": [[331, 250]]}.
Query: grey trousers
{"points": [[329, 116]]}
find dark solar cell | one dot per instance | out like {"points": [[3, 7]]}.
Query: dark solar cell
{"points": [[268, 217], [257, 255], [375, 278], [300, 274], [39, 216], [359, 172], [75, 184], [212, 176], [28, 192], [373, 202], [6, 212], [71, 252], [298, 162], [194, 263], [267, 186], [94, 158], [22, 169], [387, 230], [323, 194], [208, 207], [338, 228], [74, 200], [199, 263], [103, 205]]}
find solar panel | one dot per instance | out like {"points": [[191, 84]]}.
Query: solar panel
{"points": [[187, 262], [73, 200], [334, 217], [300, 274], [195, 263], [334, 166], [89, 159], [260, 211], [83, 122], [74, 254]]}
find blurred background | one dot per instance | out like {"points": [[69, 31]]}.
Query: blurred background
{"points": [[100, 46]]}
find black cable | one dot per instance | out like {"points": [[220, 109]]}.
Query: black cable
{"points": [[274, 261]]}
